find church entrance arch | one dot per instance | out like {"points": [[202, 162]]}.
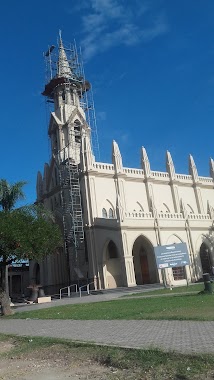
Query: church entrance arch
{"points": [[112, 266], [144, 262], [206, 259]]}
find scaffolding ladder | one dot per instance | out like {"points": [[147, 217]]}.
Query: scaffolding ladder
{"points": [[72, 214]]}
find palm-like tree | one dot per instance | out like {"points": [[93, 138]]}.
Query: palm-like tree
{"points": [[10, 194]]}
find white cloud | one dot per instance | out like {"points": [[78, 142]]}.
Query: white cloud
{"points": [[93, 22], [109, 23], [110, 8], [158, 28]]}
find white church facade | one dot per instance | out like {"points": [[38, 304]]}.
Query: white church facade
{"points": [[112, 216]]}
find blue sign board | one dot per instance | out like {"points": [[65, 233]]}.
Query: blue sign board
{"points": [[171, 256], [19, 263]]}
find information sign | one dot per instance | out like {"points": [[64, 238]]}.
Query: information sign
{"points": [[171, 256]]}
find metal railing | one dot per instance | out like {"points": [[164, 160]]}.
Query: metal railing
{"points": [[68, 290], [87, 286]]}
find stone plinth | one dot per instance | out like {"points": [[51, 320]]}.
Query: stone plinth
{"points": [[44, 299]]}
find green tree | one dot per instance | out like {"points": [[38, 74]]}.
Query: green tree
{"points": [[25, 232], [10, 194]]}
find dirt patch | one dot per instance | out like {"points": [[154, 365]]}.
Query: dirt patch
{"points": [[47, 370], [32, 359], [6, 347], [52, 363]]}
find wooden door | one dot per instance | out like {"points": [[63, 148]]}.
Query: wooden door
{"points": [[145, 269]]}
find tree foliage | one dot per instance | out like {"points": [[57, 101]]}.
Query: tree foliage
{"points": [[28, 232], [25, 233], [10, 194]]}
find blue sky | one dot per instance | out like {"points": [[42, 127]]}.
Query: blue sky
{"points": [[151, 64]]}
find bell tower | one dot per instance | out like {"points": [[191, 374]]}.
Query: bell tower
{"points": [[66, 90]]}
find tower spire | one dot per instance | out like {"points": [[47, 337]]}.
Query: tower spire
{"points": [[64, 69]]}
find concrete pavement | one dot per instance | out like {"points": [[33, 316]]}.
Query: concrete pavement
{"points": [[181, 336]]}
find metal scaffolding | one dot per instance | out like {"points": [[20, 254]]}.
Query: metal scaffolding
{"points": [[72, 215]]}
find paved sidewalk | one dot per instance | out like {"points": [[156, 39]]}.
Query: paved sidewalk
{"points": [[68, 301], [180, 336]]}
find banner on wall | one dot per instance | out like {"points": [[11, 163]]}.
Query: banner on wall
{"points": [[171, 256]]}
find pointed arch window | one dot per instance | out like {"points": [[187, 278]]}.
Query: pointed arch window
{"points": [[104, 213], [111, 213], [77, 131], [112, 251]]}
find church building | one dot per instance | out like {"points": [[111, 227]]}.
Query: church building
{"points": [[111, 216]]}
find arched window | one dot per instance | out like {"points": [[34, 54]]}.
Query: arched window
{"points": [[104, 213], [111, 214], [112, 250], [77, 131]]}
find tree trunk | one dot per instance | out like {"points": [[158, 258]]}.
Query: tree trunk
{"points": [[4, 297], [6, 282], [5, 304]]}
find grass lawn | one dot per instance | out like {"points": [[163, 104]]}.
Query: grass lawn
{"points": [[185, 307], [117, 363], [179, 289]]}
